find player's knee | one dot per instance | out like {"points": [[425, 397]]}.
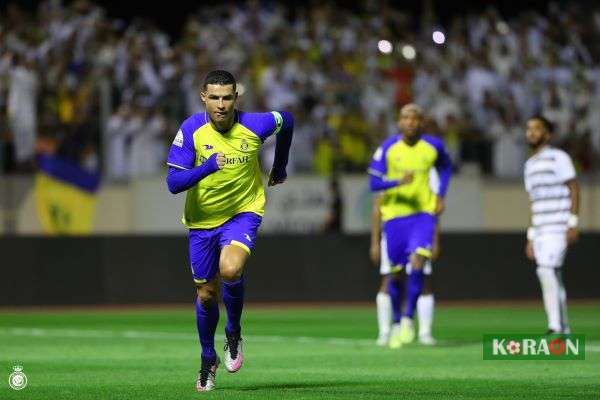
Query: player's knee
{"points": [[417, 261], [230, 271], [397, 277], [383, 287], [207, 294], [427, 285]]}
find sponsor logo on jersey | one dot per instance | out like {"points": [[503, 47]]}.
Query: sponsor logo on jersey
{"points": [[230, 160]]}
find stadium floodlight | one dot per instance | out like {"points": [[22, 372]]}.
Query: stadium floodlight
{"points": [[409, 52], [385, 46], [438, 37]]}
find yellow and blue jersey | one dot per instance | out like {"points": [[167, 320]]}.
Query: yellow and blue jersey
{"points": [[238, 187], [394, 159]]}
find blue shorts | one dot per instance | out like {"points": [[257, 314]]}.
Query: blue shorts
{"points": [[408, 235], [206, 244]]}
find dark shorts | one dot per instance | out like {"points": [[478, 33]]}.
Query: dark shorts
{"points": [[206, 244], [408, 235]]}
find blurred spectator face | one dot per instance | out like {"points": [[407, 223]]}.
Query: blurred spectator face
{"points": [[410, 122], [219, 101], [537, 134]]}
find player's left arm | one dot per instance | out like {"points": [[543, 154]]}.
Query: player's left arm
{"points": [[573, 232], [443, 165], [283, 141]]}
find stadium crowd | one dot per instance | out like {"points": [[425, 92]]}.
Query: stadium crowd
{"points": [[110, 93]]}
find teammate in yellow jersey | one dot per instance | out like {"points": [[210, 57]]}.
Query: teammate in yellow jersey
{"points": [[409, 208], [214, 156]]}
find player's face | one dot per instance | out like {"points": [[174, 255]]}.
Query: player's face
{"points": [[410, 123], [220, 104], [537, 134]]}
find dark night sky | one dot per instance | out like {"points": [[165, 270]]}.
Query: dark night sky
{"points": [[171, 15]]}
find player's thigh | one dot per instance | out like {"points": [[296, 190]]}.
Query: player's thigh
{"points": [[204, 254], [237, 240], [550, 250], [396, 234]]}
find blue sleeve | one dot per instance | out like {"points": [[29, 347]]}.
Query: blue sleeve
{"points": [[182, 153], [263, 124], [283, 141], [179, 179], [377, 184], [443, 164], [378, 166]]}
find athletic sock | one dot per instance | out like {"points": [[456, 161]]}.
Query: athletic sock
{"points": [[413, 291], [562, 295], [207, 317], [395, 293], [233, 297], [425, 305], [384, 313], [551, 294]]}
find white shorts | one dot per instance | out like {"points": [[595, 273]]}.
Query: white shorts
{"points": [[550, 250], [385, 266]]}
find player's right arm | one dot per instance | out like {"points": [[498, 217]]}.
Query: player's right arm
{"points": [[182, 155], [529, 246], [375, 250], [179, 180], [378, 170], [530, 230]]}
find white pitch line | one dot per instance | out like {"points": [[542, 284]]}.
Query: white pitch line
{"points": [[106, 334]]}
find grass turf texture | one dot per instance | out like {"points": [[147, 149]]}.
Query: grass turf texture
{"points": [[290, 353]]}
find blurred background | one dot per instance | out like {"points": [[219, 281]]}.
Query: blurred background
{"points": [[92, 94]]}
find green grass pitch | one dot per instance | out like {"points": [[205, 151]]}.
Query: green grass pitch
{"points": [[291, 353]]}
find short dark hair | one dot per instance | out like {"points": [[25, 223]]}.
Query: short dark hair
{"points": [[219, 77], [549, 126]]}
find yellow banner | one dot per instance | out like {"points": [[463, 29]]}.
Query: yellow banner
{"points": [[63, 209]]}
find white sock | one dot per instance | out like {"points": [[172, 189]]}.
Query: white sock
{"points": [[384, 313], [551, 292], [425, 305], [563, 303]]}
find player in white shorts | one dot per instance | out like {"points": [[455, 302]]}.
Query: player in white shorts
{"points": [[551, 182]]}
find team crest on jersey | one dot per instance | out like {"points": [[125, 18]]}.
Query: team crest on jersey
{"points": [[178, 141], [244, 145], [208, 147]]}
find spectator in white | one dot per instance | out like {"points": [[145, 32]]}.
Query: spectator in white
{"points": [[508, 152], [147, 148], [444, 105], [22, 108], [556, 106], [116, 157]]}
